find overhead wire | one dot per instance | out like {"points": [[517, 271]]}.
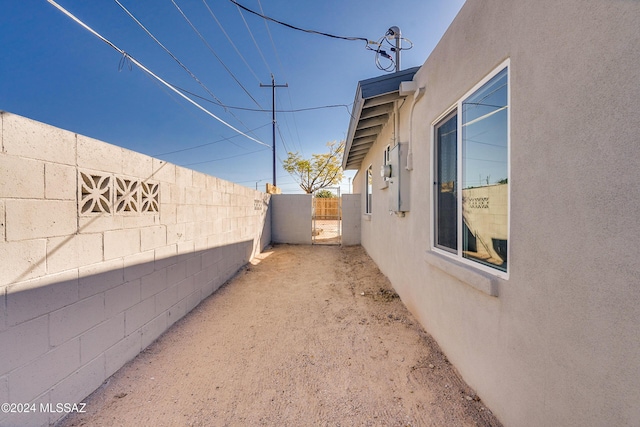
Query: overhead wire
{"points": [[205, 144], [255, 43], [159, 43], [226, 158], [182, 65], [230, 41], [296, 110], [299, 28], [148, 71], [215, 54], [275, 51]]}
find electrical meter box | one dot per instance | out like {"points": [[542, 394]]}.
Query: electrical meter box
{"points": [[399, 179]]}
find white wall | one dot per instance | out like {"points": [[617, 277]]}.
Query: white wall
{"points": [[351, 214], [83, 292], [557, 343], [291, 218]]}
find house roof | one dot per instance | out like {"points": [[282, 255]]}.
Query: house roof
{"points": [[372, 107]]}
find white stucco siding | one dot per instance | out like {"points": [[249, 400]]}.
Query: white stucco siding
{"points": [[559, 344]]}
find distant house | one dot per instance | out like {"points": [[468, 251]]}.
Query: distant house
{"points": [[499, 189]]}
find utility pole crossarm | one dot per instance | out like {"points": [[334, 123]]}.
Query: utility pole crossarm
{"points": [[273, 87]]}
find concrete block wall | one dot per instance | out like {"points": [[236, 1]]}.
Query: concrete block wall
{"points": [[291, 218], [351, 216], [101, 250]]}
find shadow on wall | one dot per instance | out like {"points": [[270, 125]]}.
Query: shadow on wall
{"points": [[62, 335]]}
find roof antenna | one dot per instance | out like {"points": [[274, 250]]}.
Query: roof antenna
{"points": [[395, 33]]}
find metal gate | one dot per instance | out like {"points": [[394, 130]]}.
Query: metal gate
{"points": [[327, 217]]}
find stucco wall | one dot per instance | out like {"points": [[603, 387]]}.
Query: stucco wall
{"points": [[559, 344], [101, 250], [291, 218], [351, 219]]}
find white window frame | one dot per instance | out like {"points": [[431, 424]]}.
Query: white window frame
{"points": [[457, 107]]}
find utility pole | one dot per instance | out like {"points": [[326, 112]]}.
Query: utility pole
{"points": [[273, 87], [395, 33]]}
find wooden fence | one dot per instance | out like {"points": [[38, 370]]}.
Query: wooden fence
{"points": [[326, 208]]}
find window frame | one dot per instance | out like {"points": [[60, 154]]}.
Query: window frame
{"points": [[368, 186], [456, 109]]}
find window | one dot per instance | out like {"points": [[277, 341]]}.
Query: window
{"points": [[369, 188], [471, 176]]}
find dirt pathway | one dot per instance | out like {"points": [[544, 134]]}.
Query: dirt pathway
{"points": [[305, 335]]}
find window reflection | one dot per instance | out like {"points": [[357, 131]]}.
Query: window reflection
{"points": [[446, 184], [369, 188], [485, 173]]}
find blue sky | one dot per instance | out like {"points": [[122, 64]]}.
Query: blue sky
{"points": [[54, 71]]}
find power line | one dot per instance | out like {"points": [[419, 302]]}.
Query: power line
{"points": [[254, 40], [146, 70], [225, 158], [180, 62], [184, 67], [205, 144], [230, 41], [298, 28], [297, 110], [214, 54]]}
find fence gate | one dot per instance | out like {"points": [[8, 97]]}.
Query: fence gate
{"points": [[327, 217]]}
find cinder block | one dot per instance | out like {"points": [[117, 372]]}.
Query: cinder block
{"points": [[34, 219], [70, 252], [138, 265], [36, 418], [75, 319], [176, 273], [22, 260], [194, 265], [23, 343], [3, 309], [120, 243], [21, 178], [185, 213], [184, 177], [122, 352], [186, 287], [168, 213], [192, 195], [138, 315], [37, 297], [137, 164], [176, 233], [100, 277], [164, 171], [4, 390], [166, 256], [122, 297], [166, 299], [27, 382], [60, 181], [186, 250], [152, 330], [100, 223], [2, 237], [98, 339], [137, 221], [99, 155], [153, 283], [28, 138], [80, 384], [199, 179], [193, 299], [153, 237], [176, 312]]}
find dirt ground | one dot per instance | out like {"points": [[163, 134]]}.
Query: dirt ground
{"points": [[304, 335]]}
